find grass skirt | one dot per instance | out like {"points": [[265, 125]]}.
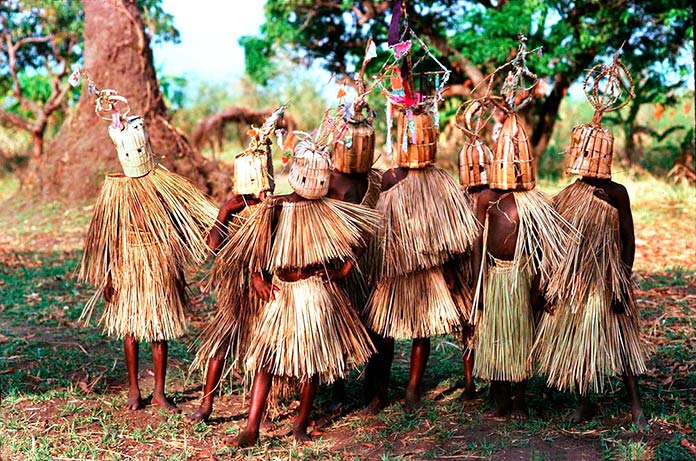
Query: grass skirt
{"points": [[143, 233], [310, 328], [417, 305], [584, 340], [505, 330], [425, 221], [237, 308]]}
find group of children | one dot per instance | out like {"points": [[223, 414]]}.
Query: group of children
{"points": [[312, 284]]}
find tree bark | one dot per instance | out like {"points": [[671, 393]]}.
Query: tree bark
{"points": [[117, 54]]}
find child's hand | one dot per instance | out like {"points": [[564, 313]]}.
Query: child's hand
{"points": [[264, 289], [215, 238]]}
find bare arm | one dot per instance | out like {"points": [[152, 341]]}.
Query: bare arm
{"points": [[477, 250], [227, 211]]}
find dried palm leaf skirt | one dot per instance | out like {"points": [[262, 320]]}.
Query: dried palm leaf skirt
{"points": [[585, 341], [505, 330], [309, 329], [425, 221], [143, 233], [417, 305], [228, 333]]}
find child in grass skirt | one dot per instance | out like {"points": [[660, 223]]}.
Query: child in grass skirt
{"points": [[224, 341], [307, 329], [593, 332], [148, 225]]}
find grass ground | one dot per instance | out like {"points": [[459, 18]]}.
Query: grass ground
{"points": [[63, 384]]}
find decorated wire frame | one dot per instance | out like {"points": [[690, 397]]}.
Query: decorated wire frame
{"points": [[518, 87], [417, 120], [128, 133], [591, 145], [475, 156]]}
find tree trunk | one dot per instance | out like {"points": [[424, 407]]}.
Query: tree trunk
{"points": [[117, 54]]}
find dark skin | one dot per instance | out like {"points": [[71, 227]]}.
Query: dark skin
{"points": [[503, 223], [616, 195], [467, 333], [346, 187], [130, 347], [266, 290], [217, 235], [379, 366]]}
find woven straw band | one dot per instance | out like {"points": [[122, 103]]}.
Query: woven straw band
{"points": [[355, 152], [253, 173], [133, 147], [416, 138], [474, 161], [513, 165], [591, 148], [311, 170]]}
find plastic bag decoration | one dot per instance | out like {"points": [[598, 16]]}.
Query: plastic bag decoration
{"points": [[416, 81], [513, 160], [608, 88], [475, 156], [253, 168]]}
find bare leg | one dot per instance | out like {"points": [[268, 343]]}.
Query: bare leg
{"points": [[212, 381], [377, 375], [585, 411], [631, 383], [338, 395], [159, 359], [420, 351], [259, 393], [519, 404], [299, 427], [468, 359], [130, 348], [500, 392]]}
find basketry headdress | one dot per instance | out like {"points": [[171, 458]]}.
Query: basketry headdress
{"points": [[416, 80], [253, 168], [354, 149], [608, 88], [475, 156], [513, 160], [127, 132]]}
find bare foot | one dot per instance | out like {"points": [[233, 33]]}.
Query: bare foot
{"points": [[375, 406], [165, 404], [468, 394], [135, 402], [412, 401], [640, 421], [201, 414], [585, 412], [501, 410], [519, 410], [300, 435], [247, 438]]}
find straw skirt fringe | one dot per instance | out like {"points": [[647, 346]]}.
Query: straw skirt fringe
{"points": [[577, 351], [425, 220], [310, 328], [584, 340], [417, 305], [228, 333], [505, 330], [143, 232]]}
